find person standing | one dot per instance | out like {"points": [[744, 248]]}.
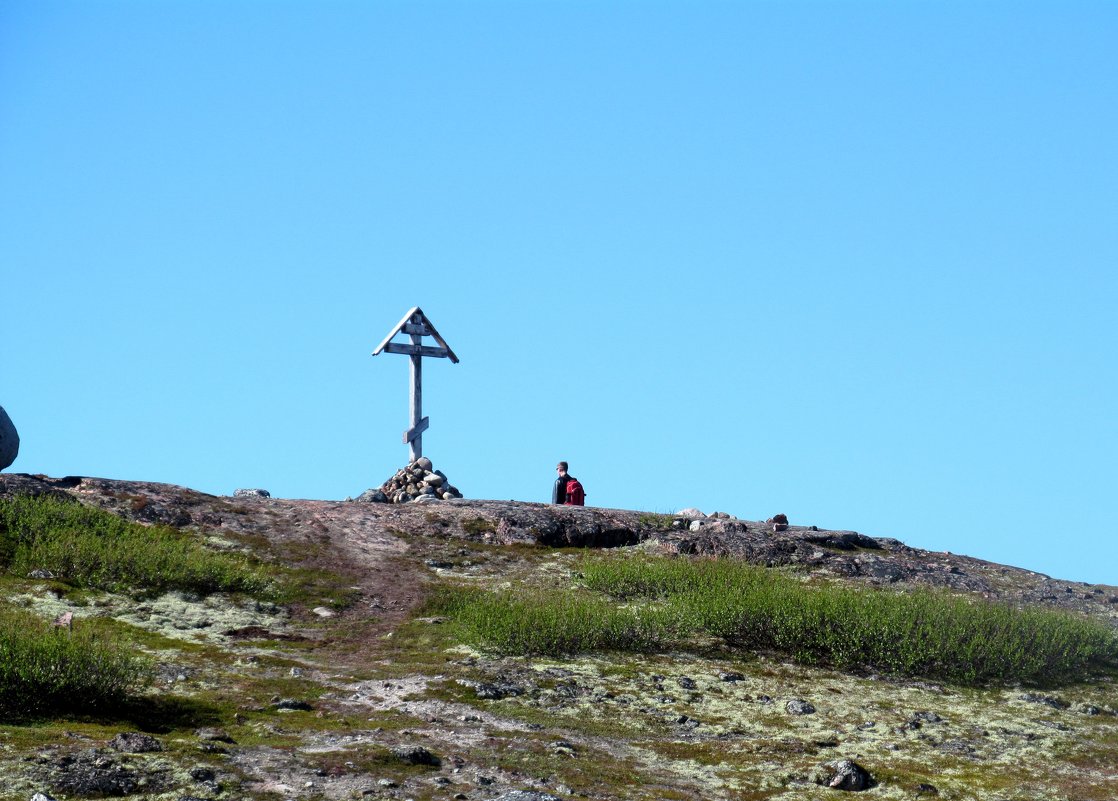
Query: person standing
{"points": [[559, 490], [567, 489]]}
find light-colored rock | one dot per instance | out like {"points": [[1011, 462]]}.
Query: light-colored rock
{"points": [[423, 463], [695, 525], [322, 611], [252, 493], [690, 511], [9, 440]]}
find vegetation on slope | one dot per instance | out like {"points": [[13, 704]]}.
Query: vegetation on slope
{"points": [[48, 668], [92, 548], [643, 604]]}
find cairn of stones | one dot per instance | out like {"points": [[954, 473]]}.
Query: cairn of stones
{"points": [[417, 483]]}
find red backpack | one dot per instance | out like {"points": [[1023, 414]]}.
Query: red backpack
{"points": [[575, 494]]}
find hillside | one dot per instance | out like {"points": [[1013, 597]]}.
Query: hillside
{"points": [[353, 687]]}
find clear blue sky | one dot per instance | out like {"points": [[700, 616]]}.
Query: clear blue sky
{"points": [[853, 262]]}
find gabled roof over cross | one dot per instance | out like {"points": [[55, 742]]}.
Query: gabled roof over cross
{"points": [[416, 324]]}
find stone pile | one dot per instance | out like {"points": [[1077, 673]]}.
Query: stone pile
{"points": [[417, 483]]}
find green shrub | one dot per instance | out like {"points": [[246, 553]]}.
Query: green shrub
{"points": [[44, 668], [668, 601], [93, 548]]}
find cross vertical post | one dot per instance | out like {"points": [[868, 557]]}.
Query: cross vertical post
{"points": [[416, 444], [416, 325]]}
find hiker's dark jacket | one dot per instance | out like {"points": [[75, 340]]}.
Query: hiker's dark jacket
{"points": [[559, 491]]}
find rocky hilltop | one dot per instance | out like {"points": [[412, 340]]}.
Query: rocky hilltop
{"points": [[365, 698]]}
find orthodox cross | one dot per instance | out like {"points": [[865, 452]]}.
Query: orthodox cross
{"points": [[416, 325]]}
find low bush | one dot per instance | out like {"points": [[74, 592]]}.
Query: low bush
{"points": [[92, 548], [44, 668], [670, 601]]}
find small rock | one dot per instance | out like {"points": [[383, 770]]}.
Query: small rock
{"points": [[695, 525], [322, 611], [252, 493], [800, 707], [292, 703], [423, 463], [202, 774], [926, 789], [212, 734], [691, 512], [686, 682], [40, 573], [372, 496], [41, 797], [133, 742], [1048, 700], [494, 692], [387, 783], [415, 755], [731, 676], [843, 774]]}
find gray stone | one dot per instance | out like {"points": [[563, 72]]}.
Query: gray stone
{"points": [[800, 707], [294, 704], [423, 463], [9, 440], [252, 493], [695, 525], [434, 480], [690, 511], [843, 774], [427, 498], [415, 755], [322, 611], [496, 691], [41, 797], [134, 742], [372, 496]]}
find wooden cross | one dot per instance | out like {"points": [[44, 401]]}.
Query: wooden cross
{"points": [[416, 325]]}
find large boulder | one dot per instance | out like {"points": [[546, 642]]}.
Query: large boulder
{"points": [[9, 440]]}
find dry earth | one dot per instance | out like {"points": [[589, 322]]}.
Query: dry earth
{"points": [[259, 701]]}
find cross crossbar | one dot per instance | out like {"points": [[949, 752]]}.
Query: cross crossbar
{"points": [[416, 325]]}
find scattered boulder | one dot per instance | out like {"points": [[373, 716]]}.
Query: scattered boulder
{"points": [[134, 742], [843, 774], [1047, 700], [779, 522], [252, 493], [293, 704], [418, 482], [800, 707], [213, 735], [9, 440], [497, 691], [415, 755], [691, 512], [92, 774]]}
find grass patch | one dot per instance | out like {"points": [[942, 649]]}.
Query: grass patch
{"points": [[92, 548], [650, 604], [44, 668]]}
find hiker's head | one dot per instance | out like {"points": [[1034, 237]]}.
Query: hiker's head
{"points": [[562, 468]]}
